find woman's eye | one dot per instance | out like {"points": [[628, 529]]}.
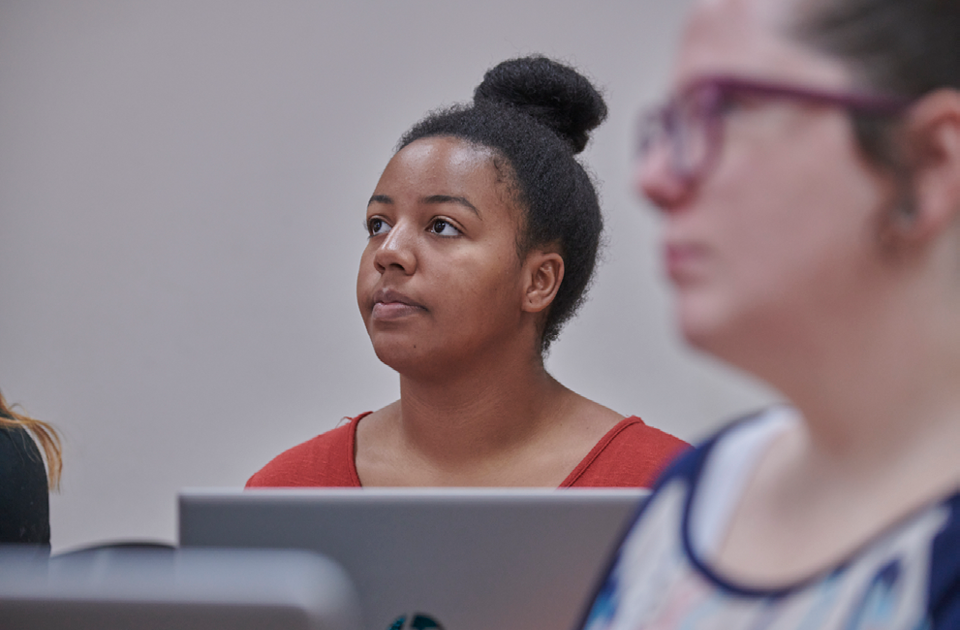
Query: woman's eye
{"points": [[443, 228], [377, 226], [733, 102]]}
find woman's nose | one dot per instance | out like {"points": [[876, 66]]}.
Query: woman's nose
{"points": [[397, 251], [656, 178]]}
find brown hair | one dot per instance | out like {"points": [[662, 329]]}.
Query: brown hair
{"points": [[43, 433], [902, 47]]}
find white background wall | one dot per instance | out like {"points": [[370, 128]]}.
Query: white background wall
{"points": [[182, 186]]}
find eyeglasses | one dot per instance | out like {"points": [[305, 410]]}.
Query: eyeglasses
{"points": [[690, 126]]}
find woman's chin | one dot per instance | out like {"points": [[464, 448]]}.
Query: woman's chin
{"points": [[702, 325], [745, 339], [404, 356], [694, 319]]}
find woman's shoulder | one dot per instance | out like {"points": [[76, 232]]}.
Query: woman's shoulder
{"points": [[19, 454], [23, 494], [634, 453], [630, 454], [323, 461], [909, 574], [14, 436], [724, 443]]}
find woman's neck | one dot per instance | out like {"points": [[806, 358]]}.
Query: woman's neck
{"points": [[881, 428], [881, 401], [509, 424], [480, 414]]}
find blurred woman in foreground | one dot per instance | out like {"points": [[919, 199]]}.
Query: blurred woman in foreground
{"points": [[807, 168]]}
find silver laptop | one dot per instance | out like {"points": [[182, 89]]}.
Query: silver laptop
{"points": [[458, 559]]}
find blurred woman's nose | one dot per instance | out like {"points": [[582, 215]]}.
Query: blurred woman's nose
{"points": [[657, 180], [397, 250]]}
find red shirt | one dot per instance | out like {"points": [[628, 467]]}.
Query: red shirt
{"points": [[631, 454]]}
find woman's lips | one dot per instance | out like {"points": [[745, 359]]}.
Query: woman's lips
{"points": [[389, 305], [683, 261], [393, 310]]}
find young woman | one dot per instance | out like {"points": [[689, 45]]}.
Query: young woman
{"points": [[24, 499], [483, 236], [808, 173]]}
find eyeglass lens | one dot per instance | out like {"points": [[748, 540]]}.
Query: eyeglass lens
{"points": [[683, 128]]}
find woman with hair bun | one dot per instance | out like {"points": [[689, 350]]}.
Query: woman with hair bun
{"points": [[483, 237]]}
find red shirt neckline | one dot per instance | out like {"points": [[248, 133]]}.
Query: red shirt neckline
{"points": [[570, 479]]}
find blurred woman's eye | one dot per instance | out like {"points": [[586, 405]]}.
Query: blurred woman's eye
{"points": [[443, 228], [377, 226], [733, 101]]}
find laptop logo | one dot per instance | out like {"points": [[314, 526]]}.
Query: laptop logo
{"points": [[417, 621]]}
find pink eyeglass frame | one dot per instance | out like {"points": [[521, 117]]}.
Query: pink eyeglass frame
{"points": [[663, 122]]}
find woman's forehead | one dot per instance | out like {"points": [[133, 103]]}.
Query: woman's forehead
{"points": [[777, 14], [456, 151], [753, 38], [441, 162], [446, 165]]}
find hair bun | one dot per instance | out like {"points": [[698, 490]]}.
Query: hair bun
{"points": [[556, 95]]}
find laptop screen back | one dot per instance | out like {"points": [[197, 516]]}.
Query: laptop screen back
{"points": [[460, 559]]}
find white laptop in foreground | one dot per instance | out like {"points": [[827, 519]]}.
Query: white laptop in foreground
{"points": [[421, 558]]}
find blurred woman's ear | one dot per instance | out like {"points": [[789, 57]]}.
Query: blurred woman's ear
{"points": [[933, 137], [543, 273]]}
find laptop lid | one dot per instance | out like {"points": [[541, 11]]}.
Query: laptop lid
{"points": [[121, 588], [459, 559]]}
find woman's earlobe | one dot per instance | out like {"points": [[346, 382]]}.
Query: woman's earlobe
{"points": [[544, 272]]}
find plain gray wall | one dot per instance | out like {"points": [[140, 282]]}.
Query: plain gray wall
{"points": [[182, 190]]}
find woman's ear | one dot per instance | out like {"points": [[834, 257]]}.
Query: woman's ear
{"points": [[933, 132], [543, 273]]}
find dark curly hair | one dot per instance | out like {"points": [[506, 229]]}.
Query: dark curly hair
{"points": [[536, 114]]}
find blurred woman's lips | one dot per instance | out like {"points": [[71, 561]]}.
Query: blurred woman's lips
{"points": [[683, 260], [389, 304]]}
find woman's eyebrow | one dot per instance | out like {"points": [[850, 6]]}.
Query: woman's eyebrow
{"points": [[380, 199], [432, 199]]}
